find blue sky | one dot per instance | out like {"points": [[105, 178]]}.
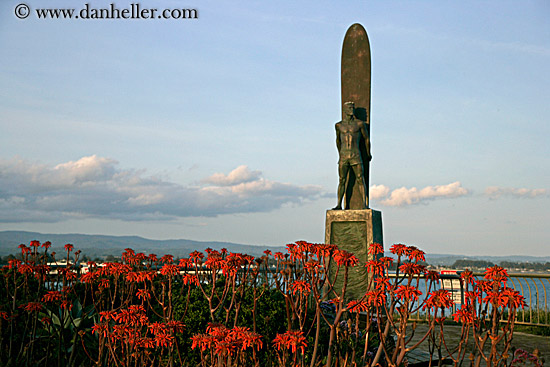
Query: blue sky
{"points": [[222, 127]]}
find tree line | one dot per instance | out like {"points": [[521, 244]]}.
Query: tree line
{"points": [[483, 264]]}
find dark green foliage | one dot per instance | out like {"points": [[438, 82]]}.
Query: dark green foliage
{"points": [[468, 264], [270, 316]]}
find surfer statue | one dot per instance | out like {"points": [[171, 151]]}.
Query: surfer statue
{"points": [[351, 134]]}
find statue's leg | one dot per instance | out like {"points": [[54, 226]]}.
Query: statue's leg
{"points": [[358, 169], [343, 169]]}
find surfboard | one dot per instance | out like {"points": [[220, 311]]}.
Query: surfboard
{"points": [[356, 81]]}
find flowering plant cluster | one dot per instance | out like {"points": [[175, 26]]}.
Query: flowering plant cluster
{"points": [[230, 309]]}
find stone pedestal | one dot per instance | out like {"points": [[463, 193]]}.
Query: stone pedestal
{"points": [[354, 231]]}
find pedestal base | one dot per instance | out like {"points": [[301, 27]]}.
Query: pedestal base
{"points": [[354, 231]]}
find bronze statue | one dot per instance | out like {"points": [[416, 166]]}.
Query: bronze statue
{"points": [[351, 133]]}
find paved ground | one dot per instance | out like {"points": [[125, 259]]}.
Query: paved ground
{"points": [[524, 341]]}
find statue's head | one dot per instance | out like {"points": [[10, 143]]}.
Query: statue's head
{"points": [[349, 108]]}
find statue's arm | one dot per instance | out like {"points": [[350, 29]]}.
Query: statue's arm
{"points": [[366, 137], [338, 142]]}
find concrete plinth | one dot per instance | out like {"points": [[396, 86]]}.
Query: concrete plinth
{"points": [[354, 231]]}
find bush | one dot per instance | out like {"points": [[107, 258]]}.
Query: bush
{"points": [[223, 309]]}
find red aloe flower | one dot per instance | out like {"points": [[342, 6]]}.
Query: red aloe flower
{"points": [[35, 243], [376, 297], [306, 247], [496, 274], [279, 256], [190, 279], [25, 269], [357, 306], [169, 270], [215, 262], [312, 266], [494, 299], [301, 286], [407, 292], [133, 276], [344, 258], [104, 283], [144, 342], [248, 259], [467, 277], [234, 262], [129, 256], [224, 347], [246, 338], [68, 274], [68, 247], [158, 328], [387, 261], [470, 298], [512, 298], [24, 249], [47, 245], [375, 249], [143, 294], [176, 326], [465, 315], [167, 259], [382, 283], [118, 269], [141, 256], [52, 296], [217, 330], [439, 299], [33, 307], [133, 316], [185, 263], [398, 249], [325, 250], [202, 341], [107, 315], [148, 275], [253, 340], [376, 267], [101, 329], [412, 268], [164, 340], [295, 252], [196, 256], [483, 285], [416, 254], [291, 340], [14, 263], [432, 275]]}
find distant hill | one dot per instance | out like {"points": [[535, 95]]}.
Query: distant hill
{"points": [[447, 260], [100, 246]]}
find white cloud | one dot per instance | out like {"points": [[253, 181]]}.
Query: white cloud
{"points": [[405, 196], [95, 187], [238, 175], [495, 192], [378, 192]]}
